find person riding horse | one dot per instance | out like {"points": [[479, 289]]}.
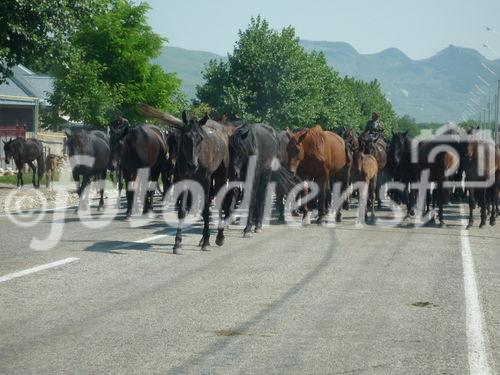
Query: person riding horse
{"points": [[374, 126]]}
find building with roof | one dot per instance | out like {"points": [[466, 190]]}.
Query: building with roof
{"points": [[21, 97]]}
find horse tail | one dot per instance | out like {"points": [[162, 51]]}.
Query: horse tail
{"points": [[284, 179], [40, 161]]}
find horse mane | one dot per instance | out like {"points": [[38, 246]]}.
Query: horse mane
{"points": [[239, 143]]}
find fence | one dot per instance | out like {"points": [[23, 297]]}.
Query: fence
{"points": [[52, 142]]}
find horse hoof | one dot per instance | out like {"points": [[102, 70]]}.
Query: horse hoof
{"points": [[176, 248], [205, 248], [219, 241], [247, 234], [469, 226], [482, 224], [442, 224], [258, 230]]}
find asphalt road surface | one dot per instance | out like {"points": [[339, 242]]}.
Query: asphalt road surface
{"points": [[312, 300]]}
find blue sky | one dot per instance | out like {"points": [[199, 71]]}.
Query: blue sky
{"points": [[418, 28]]}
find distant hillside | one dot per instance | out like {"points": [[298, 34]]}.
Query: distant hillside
{"points": [[187, 64], [434, 89]]}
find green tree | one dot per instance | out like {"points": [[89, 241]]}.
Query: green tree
{"points": [[370, 98], [35, 33], [111, 70], [270, 78], [407, 123]]}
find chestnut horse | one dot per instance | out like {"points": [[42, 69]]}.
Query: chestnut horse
{"points": [[319, 156]]}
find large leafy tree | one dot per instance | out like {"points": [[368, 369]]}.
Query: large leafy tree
{"points": [[370, 98], [35, 33], [111, 70], [270, 78]]}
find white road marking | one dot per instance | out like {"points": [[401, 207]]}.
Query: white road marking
{"points": [[476, 337], [28, 271], [144, 240]]}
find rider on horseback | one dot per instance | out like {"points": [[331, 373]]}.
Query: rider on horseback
{"points": [[374, 126]]}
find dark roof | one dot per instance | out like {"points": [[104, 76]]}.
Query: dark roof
{"points": [[26, 84]]}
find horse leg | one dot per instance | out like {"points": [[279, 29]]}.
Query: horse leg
{"points": [[373, 194], [101, 183], [227, 205], [323, 188], [33, 170], [84, 193], [120, 187], [378, 186], [261, 201], [252, 203], [130, 197], [491, 198], [280, 205], [205, 239], [482, 205], [181, 214], [440, 202], [472, 206]]}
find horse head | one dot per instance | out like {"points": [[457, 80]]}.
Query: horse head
{"points": [[8, 150], [191, 142], [78, 143], [117, 136], [295, 149]]}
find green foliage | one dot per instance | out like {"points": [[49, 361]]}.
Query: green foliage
{"points": [[270, 78], [37, 33], [407, 123], [111, 71]]}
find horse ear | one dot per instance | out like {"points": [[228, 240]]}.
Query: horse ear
{"points": [[184, 117], [303, 136], [289, 134], [204, 120]]}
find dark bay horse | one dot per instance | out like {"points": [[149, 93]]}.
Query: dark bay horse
{"points": [[26, 151], [83, 144], [482, 165], [203, 155], [319, 156]]}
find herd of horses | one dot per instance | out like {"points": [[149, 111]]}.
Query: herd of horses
{"points": [[219, 155]]}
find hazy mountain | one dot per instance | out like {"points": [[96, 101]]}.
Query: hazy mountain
{"points": [[433, 89], [187, 64]]}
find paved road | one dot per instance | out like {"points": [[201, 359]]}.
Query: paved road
{"points": [[344, 300]]}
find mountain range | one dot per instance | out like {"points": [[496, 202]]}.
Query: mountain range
{"points": [[435, 89]]}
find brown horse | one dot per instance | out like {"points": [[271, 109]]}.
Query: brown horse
{"points": [[365, 169], [374, 144], [319, 156]]}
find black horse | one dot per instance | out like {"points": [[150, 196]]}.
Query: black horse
{"points": [[94, 144], [141, 147], [26, 151], [260, 142], [401, 169]]}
